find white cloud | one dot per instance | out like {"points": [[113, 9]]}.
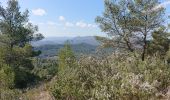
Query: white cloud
{"points": [[39, 12], [91, 26], [82, 24], [68, 24], [61, 18]]}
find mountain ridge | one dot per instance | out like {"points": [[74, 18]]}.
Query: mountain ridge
{"points": [[73, 40]]}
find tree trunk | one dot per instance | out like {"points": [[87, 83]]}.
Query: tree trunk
{"points": [[143, 54], [144, 39], [144, 47]]}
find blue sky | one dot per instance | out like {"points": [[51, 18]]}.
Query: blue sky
{"points": [[59, 18]]}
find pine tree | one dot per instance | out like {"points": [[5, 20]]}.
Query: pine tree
{"points": [[66, 57], [130, 23], [15, 28], [16, 33]]}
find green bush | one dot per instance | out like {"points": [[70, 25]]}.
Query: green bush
{"points": [[6, 77], [45, 69], [115, 77]]}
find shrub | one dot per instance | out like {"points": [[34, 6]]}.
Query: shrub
{"points": [[6, 77], [115, 77], [45, 69]]}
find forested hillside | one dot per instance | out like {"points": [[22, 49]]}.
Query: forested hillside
{"points": [[131, 63], [79, 49]]}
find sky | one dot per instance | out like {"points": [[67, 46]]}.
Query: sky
{"points": [[67, 18]]}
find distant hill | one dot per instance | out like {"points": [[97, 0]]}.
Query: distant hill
{"points": [[73, 40], [87, 40], [80, 45], [52, 50]]}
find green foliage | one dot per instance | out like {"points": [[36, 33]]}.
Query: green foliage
{"points": [[15, 27], [6, 76], [7, 82], [66, 85], [129, 24], [160, 42], [66, 57], [119, 77], [16, 33], [45, 69], [19, 59]]}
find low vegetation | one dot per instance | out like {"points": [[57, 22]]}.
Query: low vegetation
{"points": [[119, 77]]}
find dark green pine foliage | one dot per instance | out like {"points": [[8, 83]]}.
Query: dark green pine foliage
{"points": [[16, 33], [160, 42]]}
